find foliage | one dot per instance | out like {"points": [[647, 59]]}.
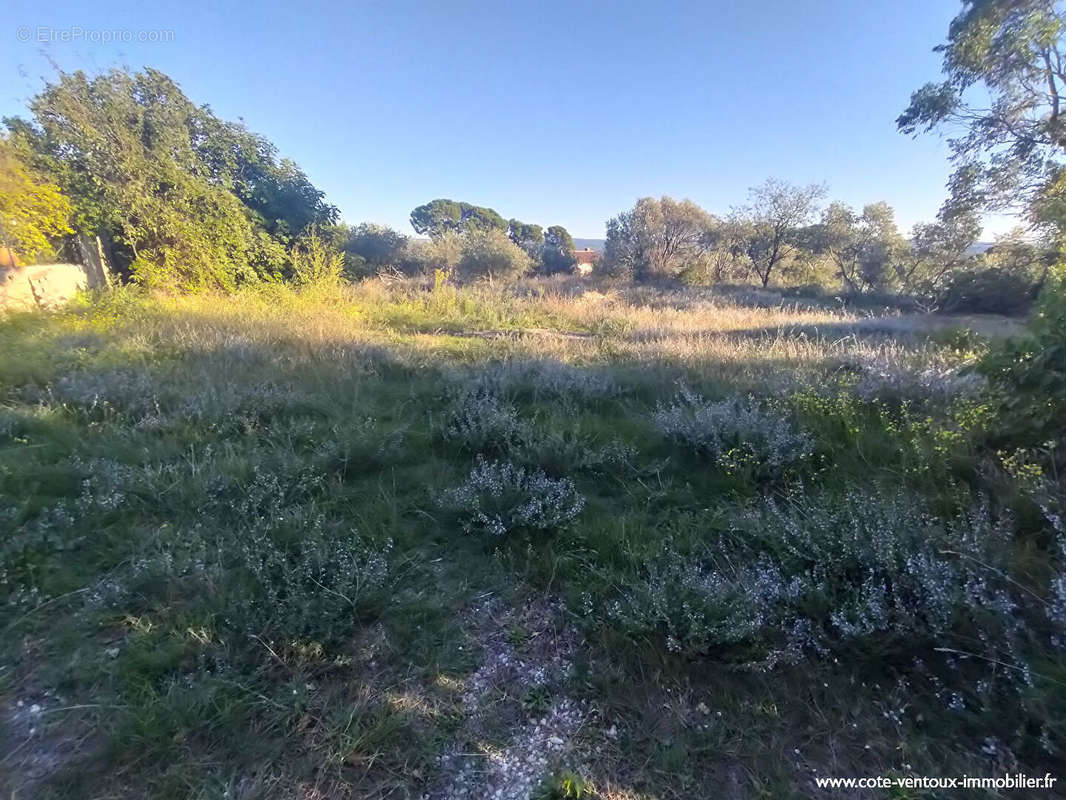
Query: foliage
{"points": [[499, 498], [314, 260], [986, 291], [558, 252], [193, 202], [1030, 373], [440, 254], [491, 254], [937, 250], [863, 247], [439, 217], [528, 236], [377, 245], [480, 422], [33, 211], [657, 238], [1009, 51], [768, 226], [738, 436], [868, 575]]}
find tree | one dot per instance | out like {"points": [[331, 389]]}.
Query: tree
{"points": [[1010, 50], [438, 217], [558, 252], [769, 224], [1010, 155], [862, 247], [528, 236], [424, 257], [285, 201], [378, 245], [657, 237], [191, 201], [491, 254], [33, 211], [937, 248]]}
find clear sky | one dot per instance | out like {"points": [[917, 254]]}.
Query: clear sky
{"points": [[555, 112]]}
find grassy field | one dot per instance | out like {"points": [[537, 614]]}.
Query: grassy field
{"points": [[552, 541]]}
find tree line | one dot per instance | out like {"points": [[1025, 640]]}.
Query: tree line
{"points": [[186, 200]]}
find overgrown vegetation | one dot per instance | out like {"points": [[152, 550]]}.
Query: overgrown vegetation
{"points": [[269, 521], [279, 521]]}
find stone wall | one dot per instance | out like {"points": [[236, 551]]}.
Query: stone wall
{"points": [[41, 285]]}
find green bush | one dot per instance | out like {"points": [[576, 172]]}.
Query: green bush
{"points": [[987, 291], [490, 254]]}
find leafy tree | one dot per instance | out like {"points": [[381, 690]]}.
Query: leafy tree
{"points": [[428, 256], [277, 191], [1010, 154], [192, 201], [1007, 52], [657, 237], [378, 245], [937, 249], [559, 249], [33, 211], [438, 217], [770, 224], [528, 236], [862, 247], [491, 254]]}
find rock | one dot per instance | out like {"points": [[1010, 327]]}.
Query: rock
{"points": [[40, 286]]}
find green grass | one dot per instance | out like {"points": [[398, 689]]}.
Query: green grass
{"points": [[180, 478]]}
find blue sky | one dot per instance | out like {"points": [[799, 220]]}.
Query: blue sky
{"points": [[554, 112]]}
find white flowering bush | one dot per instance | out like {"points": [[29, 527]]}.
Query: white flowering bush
{"points": [[737, 434], [865, 574], [499, 498], [480, 421], [887, 379]]}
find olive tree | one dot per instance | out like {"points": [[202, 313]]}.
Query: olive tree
{"points": [[771, 225], [863, 247], [657, 237]]}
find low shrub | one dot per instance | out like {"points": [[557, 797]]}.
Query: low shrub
{"points": [[310, 586], [739, 436], [479, 421], [499, 498], [987, 291], [862, 576]]}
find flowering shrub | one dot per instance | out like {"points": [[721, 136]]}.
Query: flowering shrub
{"points": [[866, 573], [499, 498], [737, 434], [887, 379], [481, 422]]}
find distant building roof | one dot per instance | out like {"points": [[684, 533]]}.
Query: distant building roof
{"points": [[586, 256]]}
